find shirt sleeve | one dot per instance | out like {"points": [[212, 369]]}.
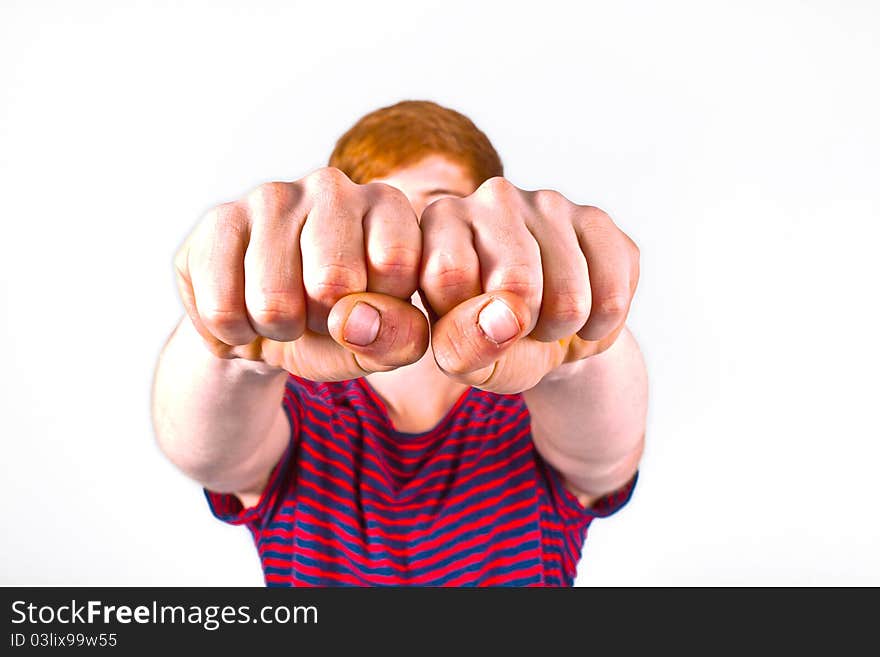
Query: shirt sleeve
{"points": [[570, 508], [228, 508]]}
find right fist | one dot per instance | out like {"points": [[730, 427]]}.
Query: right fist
{"points": [[313, 276]]}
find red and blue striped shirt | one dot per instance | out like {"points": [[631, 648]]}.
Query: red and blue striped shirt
{"points": [[469, 503]]}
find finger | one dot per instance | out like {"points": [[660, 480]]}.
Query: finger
{"points": [[565, 297], [523, 365], [394, 334], [215, 270], [184, 287], [469, 339], [510, 260], [450, 271], [393, 242], [332, 248], [509, 256], [578, 348], [272, 267], [612, 263]]}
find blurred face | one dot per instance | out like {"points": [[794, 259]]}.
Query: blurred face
{"points": [[429, 179]]}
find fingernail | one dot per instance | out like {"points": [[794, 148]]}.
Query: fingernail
{"points": [[362, 326], [498, 321]]}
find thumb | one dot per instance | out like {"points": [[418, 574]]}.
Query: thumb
{"points": [[383, 332], [470, 339], [368, 333]]}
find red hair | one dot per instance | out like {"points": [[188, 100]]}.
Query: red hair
{"points": [[405, 133]]}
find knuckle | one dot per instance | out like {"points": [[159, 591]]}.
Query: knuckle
{"points": [[521, 279], [326, 181], [270, 197], [554, 209], [551, 203], [273, 316], [522, 289], [389, 202], [437, 210], [567, 308], [597, 214], [395, 259], [333, 281], [591, 218], [381, 192], [443, 271], [497, 187], [274, 307], [333, 195], [612, 306], [223, 321]]}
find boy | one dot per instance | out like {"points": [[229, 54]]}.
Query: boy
{"points": [[402, 369]]}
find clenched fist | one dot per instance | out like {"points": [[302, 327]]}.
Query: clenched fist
{"points": [[521, 282], [313, 276], [316, 276]]}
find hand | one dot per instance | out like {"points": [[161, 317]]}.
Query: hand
{"points": [[313, 276], [521, 282]]}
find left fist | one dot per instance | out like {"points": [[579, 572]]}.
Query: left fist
{"points": [[520, 282]]}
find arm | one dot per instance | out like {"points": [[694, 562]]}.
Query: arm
{"points": [[220, 420], [311, 278], [588, 418], [532, 293]]}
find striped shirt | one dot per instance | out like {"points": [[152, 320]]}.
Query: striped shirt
{"points": [[469, 503]]}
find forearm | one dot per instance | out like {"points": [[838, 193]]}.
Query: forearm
{"points": [[588, 417], [218, 420]]}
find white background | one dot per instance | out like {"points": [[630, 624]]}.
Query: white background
{"points": [[737, 143]]}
